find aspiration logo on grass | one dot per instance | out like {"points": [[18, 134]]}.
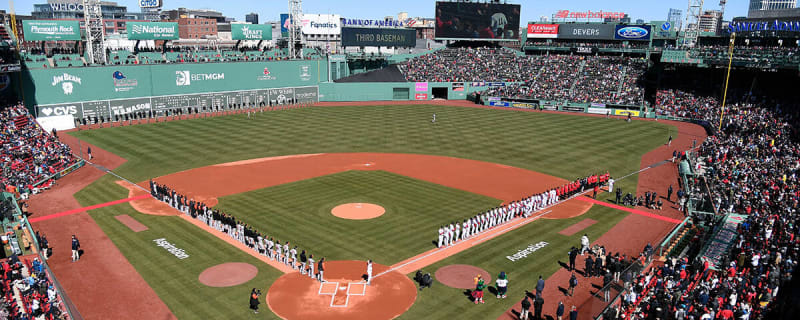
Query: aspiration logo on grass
{"points": [[524, 253], [177, 252]]}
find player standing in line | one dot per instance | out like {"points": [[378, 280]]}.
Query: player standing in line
{"points": [[465, 230], [270, 247], [286, 253], [311, 266], [321, 268], [434, 118], [293, 253], [278, 251], [369, 271], [303, 261], [450, 233], [458, 232], [441, 236]]}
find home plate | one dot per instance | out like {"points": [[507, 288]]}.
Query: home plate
{"points": [[342, 288]]}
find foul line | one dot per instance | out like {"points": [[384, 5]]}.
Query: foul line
{"points": [[639, 212], [84, 209]]}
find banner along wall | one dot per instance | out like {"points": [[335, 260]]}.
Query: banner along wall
{"points": [[251, 31], [47, 30], [587, 31], [373, 37], [152, 30], [62, 85]]}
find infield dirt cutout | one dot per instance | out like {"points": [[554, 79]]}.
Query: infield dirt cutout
{"points": [[228, 274], [358, 211], [461, 276], [344, 295]]}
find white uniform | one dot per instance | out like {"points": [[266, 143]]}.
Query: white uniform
{"points": [[450, 235], [465, 230], [446, 236], [441, 237], [458, 232], [369, 272]]}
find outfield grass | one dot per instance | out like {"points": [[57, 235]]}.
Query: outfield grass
{"points": [[412, 208], [561, 145]]}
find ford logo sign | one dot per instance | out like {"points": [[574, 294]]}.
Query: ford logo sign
{"points": [[632, 32], [666, 26]]}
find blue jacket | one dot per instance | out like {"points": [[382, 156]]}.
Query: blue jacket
{"points": [[75, 244], [560, 311], [540, 285]]}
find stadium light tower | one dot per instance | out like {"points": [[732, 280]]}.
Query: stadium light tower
{"points": [[296, 29], [692, 22], [95, 35]]}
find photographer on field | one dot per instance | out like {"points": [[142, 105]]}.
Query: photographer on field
{"points": [[254, 295]]}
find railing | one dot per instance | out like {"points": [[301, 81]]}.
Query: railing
{"points": [[62, 173]]}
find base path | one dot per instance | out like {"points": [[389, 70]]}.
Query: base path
{"points": [[344, 295]]}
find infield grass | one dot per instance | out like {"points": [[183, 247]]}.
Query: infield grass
{"points": [[412, 207], [560, 145]]}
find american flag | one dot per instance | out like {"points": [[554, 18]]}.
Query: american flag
{"points": [[410, 22]]}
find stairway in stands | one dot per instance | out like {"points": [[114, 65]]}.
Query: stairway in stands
{"points": [[21, 121]]}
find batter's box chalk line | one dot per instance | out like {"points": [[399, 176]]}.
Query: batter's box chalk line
{"points": [[333, 288]]}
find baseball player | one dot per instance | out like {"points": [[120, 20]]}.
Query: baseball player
{"points": [[369, 272], [458, 231], [270, 246], [465, 230], [311, 266], [278, 250], [286, 253], [441, 236], [303, 262], [451, 230], [293, 253]]}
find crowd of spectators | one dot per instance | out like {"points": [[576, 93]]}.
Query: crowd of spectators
{"points": [[29, 154], [581, 44], [752, 165], [764, 56], [27, 291]]}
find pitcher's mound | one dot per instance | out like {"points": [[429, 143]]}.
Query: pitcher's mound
{"points": [[461, 276], [358, 211], [228, 274], [344, 296]]}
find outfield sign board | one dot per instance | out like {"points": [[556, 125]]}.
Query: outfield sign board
{"points": [[542, 31], [48, 30], [152, 30], [586, 31], [638, 33], [375, 37], [149, 4], [251, 31]]}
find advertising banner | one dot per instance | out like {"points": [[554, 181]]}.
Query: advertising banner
{"points": [[325, 24], [421, 86], [499, 103], [421, 96], [285, 25], [458, 86], [638, 33], [588, 31], [251, 31], [663, 30], [370, 23], [486, 21], [46, 30], [374, 37], [583, 50], [150, 4], [542, 31], [152, 30]]}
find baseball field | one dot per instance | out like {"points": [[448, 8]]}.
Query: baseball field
{"points": [[300, 163]]}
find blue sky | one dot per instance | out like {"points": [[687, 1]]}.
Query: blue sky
{"points": [[377, 9]]}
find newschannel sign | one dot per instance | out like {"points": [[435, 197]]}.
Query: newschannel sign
{"points": [[755, 26]]}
